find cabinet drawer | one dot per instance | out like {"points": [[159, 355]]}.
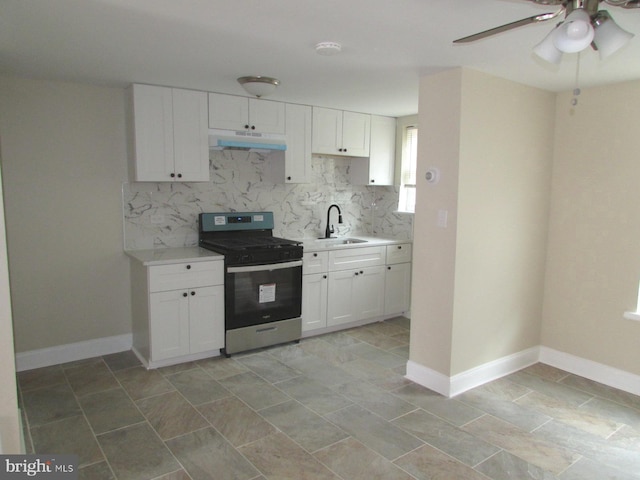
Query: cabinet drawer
{"points": [[315, 262], [185, 275], [356, 258], [398, 253]]}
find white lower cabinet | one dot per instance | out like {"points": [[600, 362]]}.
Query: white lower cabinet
{"points": [[397, 288], [314, 301], [397, 284], [178, 311], [355, 295], [315, 279], [343, 286], [168, 325]]}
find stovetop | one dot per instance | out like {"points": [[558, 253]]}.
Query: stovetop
{"points": [[246, 238], [248, 242]]}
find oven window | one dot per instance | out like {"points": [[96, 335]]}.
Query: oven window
{"points": [[254, 298]]}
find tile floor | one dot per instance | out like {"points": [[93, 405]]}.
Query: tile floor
{"points": [[332, 407]]}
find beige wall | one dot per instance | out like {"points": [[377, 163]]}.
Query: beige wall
{"points": [[593, 264], [64, 160], [478, 283], [503, 207], [9, 421], [434, 248]]}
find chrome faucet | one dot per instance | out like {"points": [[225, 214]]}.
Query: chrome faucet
{"points": [[329, 230]]}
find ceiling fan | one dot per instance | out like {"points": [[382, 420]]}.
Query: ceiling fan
{"points": [[582, 26]]}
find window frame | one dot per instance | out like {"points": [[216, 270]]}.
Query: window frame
{"points": [[409, 147]]}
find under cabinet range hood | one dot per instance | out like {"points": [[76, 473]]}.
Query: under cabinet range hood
{"points": [[246, 140]]}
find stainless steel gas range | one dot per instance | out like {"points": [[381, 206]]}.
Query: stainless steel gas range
{"points": [[263, 279]]}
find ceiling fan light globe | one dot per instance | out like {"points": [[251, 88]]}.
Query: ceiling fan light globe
{"points": [[609, 37], [547, 51], [575, 33]]}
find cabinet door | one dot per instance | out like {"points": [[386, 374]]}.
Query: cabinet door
{"points": [[152, 133], [341, 296], [383, 150], [228, 112], [356, 134], [190, 136], [297, 157], [206, 318], [169, 324], [369, 292], [314, 301], [327, 131], [397, 288], [266, 116]]}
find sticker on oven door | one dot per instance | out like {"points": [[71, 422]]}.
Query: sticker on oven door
{"points": [[267, 293]]}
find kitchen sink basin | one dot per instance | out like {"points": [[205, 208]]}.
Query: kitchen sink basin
{"points": [[343, 241]]}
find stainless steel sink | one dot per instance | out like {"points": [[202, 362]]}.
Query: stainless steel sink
{"points": [[342, 241]]}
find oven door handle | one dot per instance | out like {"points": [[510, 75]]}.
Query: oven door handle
{"points": [[263, 268]]}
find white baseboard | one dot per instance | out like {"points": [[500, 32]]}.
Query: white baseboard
{"points": [[493, 370], [72, 352], [460, 383], [428, 378], [598, 372]]}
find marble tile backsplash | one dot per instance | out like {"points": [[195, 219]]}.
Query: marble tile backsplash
{"points": [[158, 215]]}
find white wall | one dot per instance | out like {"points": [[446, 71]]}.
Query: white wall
{"points": [[593, 264], [64, 161]]}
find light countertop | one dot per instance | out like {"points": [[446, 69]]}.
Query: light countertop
{"points": [[166, 256], [315, 244]]}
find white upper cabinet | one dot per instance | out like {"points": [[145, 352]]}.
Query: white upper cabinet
{"points": [[230, 112], [168, 137], [379, 168], [190, 136], [356, 133], [294, 164], [298, 153], [336, 132]]}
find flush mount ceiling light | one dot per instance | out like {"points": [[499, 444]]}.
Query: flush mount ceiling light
{"points": [[583, 26], [259, 86], [328, 48]]}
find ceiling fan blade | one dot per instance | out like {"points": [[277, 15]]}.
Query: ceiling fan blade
{"points": [[509, 26]]}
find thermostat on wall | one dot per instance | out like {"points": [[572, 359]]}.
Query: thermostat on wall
{"points": [[432, 175]]}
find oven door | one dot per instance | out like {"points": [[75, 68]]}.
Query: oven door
{"points": [[259, 294]]}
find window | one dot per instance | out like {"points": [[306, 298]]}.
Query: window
{"points": [[407, 199], [634, 315]]}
